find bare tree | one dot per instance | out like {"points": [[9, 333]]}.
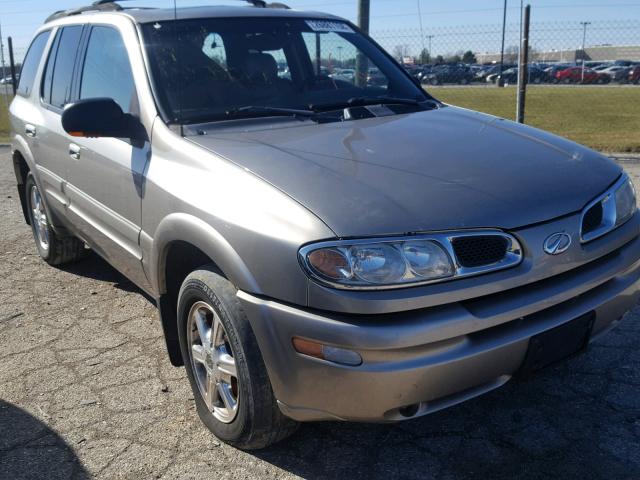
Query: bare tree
{"points": [[400, 51]]}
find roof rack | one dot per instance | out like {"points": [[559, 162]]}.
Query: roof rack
{"points": [[112, 6], [264, 4], [99, 6]]}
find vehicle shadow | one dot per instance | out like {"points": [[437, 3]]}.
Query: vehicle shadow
{"points": [[29, 449], [95, 267]]}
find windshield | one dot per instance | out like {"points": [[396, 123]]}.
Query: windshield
{"points": [[204, 68]]}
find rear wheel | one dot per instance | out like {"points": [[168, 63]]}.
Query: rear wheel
{"points": [[53, 248], [224, 365]]}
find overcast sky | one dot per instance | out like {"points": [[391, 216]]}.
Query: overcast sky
{"points": [[455, 24]]}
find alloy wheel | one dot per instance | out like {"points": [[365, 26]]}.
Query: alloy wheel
{"points": [[39, 219], [213, 363]]}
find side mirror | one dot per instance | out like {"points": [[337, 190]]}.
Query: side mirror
{"points": [[99, 117]]}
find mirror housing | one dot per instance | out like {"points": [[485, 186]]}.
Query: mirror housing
{"points": [[100, 117]]}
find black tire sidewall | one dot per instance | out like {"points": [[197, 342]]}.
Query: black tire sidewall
{"points": [[195, 290], [44, 254]]}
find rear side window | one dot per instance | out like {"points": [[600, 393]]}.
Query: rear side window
{"points": [[59, 72], [31, 62], [107, 71]]}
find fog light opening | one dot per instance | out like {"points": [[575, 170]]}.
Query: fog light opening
{"points": [[409, 410], [326, 352]]}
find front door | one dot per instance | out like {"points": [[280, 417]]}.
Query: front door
{"points": [[104, 183]]}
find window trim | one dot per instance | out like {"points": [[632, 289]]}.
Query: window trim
{"points": [[74, 72], [77, 83], [45, 53]]}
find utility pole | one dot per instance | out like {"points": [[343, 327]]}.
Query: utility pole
{"points": [[500, 81], [520, 49], [362, 65], [421, 26], [364, 13], [584, 39], [523, 66], [12, 64], [429, 37], [4, 88]]}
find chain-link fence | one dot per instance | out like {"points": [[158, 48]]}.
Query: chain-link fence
{"points": [[583, 77]]}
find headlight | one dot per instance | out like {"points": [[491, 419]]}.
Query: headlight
{"points": [[610, 210], [625, 202], [379, 263]]}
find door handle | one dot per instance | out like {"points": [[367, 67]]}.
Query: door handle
{"points": [[30, 130], [74, 151]]}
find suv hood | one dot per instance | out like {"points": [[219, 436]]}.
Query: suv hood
{"points": [[436, 170]]}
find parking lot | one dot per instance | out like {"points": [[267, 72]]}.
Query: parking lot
{"points": [[86, 390]]}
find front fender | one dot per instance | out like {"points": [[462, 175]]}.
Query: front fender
{"points": [[187, 228]]}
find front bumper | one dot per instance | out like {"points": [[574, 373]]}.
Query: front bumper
{"points": [[423, 360]]}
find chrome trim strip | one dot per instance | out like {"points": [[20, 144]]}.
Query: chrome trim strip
{"points": [[609, 214], [512, 258]]}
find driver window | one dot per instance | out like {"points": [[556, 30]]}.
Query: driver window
{"points": [[107, 71]]}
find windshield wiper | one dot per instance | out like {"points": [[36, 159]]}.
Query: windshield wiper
{"points": [[364, 101], [270, 111]]}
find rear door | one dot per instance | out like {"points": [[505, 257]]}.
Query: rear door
{"points": [[105, 180], [50, 141]]}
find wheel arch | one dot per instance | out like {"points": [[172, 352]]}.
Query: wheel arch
{"points": [[22, 164], [182, 244]]}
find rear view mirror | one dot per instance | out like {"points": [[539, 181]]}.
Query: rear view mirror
{"points": [[99, 117]]}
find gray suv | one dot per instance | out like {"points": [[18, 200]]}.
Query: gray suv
{"points": [[319, 247]]}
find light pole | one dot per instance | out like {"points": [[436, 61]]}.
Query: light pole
{"points": [[429, 37], [420, 21], [584, 39], [500, 81]]}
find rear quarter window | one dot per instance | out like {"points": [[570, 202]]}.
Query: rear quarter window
{"points": [[31, 63]]}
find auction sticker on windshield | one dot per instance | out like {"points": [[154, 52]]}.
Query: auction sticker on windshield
{"points": [[328, 26]]}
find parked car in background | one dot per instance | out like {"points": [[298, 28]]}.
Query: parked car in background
{"points": [[510, 76], [576, 75], [376, 78], [442, 74], [344, 74], [553, 70], [617, 73], [634, 75], [492, 70], [8, 80]]}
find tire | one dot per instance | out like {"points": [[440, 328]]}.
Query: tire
{"points": [[434, 81], [464, 81], [255, 421], [53, 248], [567, 81]]}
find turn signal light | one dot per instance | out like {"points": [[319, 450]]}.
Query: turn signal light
{"points": [[326, 352]]}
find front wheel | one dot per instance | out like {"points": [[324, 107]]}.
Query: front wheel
{"points": [[53, 248], [224, 365]]}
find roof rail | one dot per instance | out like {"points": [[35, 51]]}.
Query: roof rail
{"points": [[264, 4], [98, 6], [112, 6]]}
